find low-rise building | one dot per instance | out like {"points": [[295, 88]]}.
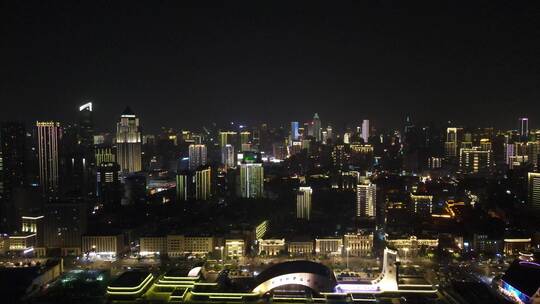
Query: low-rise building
{"points": [[111, 245], [515, 246], [33, 224], [483, 243], [412, 246], [271, 247], [199, 245], [176, 245], [153, 245], [331, 246], [234, 248], [300, 248], [23, 242], [358, 244]]}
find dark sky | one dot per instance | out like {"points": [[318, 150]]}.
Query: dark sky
{"points": [[475, 63]]}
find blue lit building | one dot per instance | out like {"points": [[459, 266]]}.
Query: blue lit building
{"points": [[521, 282]]}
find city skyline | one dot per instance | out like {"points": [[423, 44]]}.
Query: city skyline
{"points": [[268, 151]]}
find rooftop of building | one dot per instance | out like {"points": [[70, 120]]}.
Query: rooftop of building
{"points": [[130, 279], [300, 266]]}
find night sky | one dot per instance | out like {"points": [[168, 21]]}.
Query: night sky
{"points": [[271, 61]]}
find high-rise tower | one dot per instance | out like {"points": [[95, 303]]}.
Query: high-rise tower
{"points": [[197, 156], [295, 134], [303, 203], [48, 136], [534, 191], [251, 180], [524, 128], [366, 199], [365, 130], [128, 141], [227, 156], [317, 127]]}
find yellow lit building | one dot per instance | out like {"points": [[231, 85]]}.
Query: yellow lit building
{"points": [[534, 190], [410, 247], [271, 247], [153, 245], [203, 184], [24, 242], [235, 248], [358, 244], [300, 248], [33, 224], [175, 245], [331, 246], [104, 155], [227, 138], [48, 136], [515, 246], [474, 160], [261, 229], [303, 203], [201, 245]]}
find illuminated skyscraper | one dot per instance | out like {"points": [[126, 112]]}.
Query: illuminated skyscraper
{"points": [[524, 128], [203, 183], [197, 156], [533, 152], [183, 185], [474, 160], [128, 141], [86, 127], [366, 194], [77, 155], [534, 190], [227, 138], [227, 156], [510, 152], [329, 133], [365, 130], [303, 203], [245, 137], [294, 130], [108, 183], [103, 154], [48, 136], [316, 124], [251, 180], [453, 139]]}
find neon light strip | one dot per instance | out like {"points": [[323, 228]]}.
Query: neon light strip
{"points": [[148, 278], [529, 263], [22, 237], [32, 217], [416, 285], [223, 294], [172, 285], [181, 278], [176, 282], [129, 292], [179, 297]]}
